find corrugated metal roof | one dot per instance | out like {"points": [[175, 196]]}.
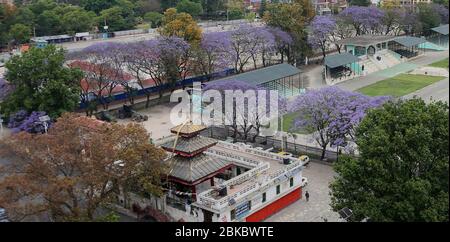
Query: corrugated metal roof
{"points": [[334, 61], [410, 41], [264, 75], [366, 40], [443, 29], [195, 168]]}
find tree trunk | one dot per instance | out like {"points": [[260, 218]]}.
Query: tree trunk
{"points": [[147, 103], [324, 150]]}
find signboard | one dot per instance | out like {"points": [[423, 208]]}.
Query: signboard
{"points": [[242, 209]]}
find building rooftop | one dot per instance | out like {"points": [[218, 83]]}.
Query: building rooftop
{"points": [[410, 41], [188, 129], [193, 169], [366, 40], [333, 61], [189, 146], [264, 75], [443, 29]]}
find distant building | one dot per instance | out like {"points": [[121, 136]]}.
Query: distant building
{"points": [[405, 3], [326, 7], [9, 2]]}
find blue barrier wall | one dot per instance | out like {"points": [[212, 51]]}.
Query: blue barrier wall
{"points": [[143, 92]]}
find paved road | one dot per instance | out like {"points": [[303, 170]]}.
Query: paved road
{"points": [[77, 46], [436, 92], [319, 177], [357, 83]]}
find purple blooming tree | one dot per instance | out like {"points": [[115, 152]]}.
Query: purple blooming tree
{"points": [[213, 54], [22, 122], [332, 114], [247, 42], [102, 68], [16, 119], [264, 48], [365, 20], [246, 119], [442, 11], [410, 22], [283, 42], [321, 30], [158, 62]]}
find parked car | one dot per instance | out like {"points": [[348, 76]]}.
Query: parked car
{"points": [[304, 182], [304, 159], [105, 116], [285, 154]]}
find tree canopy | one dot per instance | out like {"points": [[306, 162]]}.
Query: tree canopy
{"points": [[75, 169], [402, 171], [42, 83]]}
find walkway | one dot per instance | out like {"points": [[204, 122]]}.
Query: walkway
{"points": [[436, 92], [319, 177]]}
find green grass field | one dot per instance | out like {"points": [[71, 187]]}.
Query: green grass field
{"points": [[400, 85], [288, 121], [441, 64]]}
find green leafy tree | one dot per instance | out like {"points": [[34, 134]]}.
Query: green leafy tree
{"points": [[292, 18], [402, 173], [20, 33], [42, 82], [78, 20], [429, 17], [114, 19], [49, 23], [190, 7], [154, 18], [97, 5]]}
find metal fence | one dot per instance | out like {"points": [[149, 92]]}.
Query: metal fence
{"points": [[314, 153], [156, 89]]}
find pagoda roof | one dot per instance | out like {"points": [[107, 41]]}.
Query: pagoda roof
{"points": [[192, 169], [189, 146], [188, 129]]}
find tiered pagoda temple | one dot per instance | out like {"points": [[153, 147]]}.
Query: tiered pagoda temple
{"points": [[188, 165]]}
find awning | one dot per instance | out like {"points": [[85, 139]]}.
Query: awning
{"points": [[409, 41], [443, 29], [342, 59]]}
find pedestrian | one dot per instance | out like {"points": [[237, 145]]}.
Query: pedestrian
{"points": [[307, 196]]}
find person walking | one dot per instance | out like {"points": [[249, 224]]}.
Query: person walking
{"points": [[307, 196]]}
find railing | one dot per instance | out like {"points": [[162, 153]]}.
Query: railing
{"points": [[207, 198]]}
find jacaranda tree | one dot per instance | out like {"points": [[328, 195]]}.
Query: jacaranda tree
{"points": [[331, 114], [321, 30]]}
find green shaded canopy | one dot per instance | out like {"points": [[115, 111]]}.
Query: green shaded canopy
{"points": [[409, 41], [443, 29], [342, 59]]}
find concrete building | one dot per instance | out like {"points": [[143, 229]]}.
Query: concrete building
{"points": [[216, 181], [327, 7], [404, 3]]}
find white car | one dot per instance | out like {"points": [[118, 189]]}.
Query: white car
{"points": [[304, 159], [304, 182]]}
